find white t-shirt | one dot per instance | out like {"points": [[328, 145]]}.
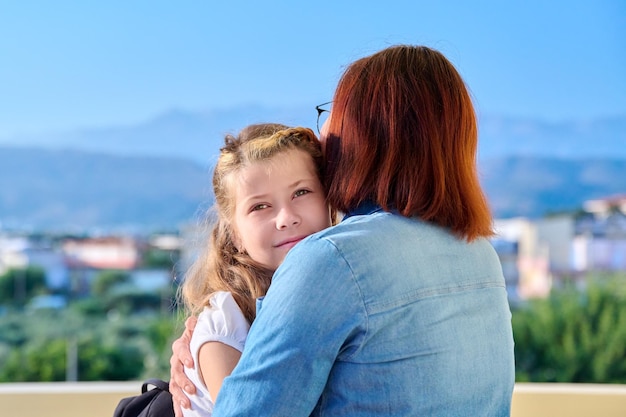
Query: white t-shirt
{"points": [[222, 322]]}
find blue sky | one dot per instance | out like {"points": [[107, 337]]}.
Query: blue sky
{"points": [[67, 65]]}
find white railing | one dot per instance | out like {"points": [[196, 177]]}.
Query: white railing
{"points": [[98, 399]]}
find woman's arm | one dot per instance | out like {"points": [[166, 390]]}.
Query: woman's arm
{"points": [[312, 311], [217, 361], [181, 357]]}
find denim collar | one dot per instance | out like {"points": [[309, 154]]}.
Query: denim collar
{"points": [[367, 207]]}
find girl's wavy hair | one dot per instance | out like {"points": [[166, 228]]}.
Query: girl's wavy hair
{"points": [[221, 266]]}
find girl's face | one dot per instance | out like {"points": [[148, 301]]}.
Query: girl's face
{"points": [[278, 203]]}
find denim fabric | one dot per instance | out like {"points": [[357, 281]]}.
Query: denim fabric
{"points": [[380, 315]]}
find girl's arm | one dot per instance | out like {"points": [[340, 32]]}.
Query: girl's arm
{"points": [[217, 361]]}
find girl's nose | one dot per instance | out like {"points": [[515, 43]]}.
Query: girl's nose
{"points": [[287, 218]]}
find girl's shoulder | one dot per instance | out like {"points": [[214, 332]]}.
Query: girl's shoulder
{"points": [[222, 304], [222, 321], [222, 299]]}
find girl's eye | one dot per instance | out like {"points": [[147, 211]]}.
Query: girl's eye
{"points": [[259, 207], [301, 192]]}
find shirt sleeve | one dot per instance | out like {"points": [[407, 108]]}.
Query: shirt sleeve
{"points": [[310, 316], [223, 322]]}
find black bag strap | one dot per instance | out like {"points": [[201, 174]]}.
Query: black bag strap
{"points": [[159, 383]]}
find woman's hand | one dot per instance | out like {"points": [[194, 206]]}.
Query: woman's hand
{"points": [[181, 358]]}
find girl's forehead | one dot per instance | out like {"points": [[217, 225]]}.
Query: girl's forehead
{"points": [[276, 161], [287, 162]]}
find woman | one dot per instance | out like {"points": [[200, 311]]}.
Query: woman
{"points": [[401, 309]]}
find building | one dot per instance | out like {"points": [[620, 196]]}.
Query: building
{"points": [[537, 255], [121, 253], [17, 252]]}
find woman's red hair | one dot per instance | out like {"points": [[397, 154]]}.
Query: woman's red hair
{"points": [[403, 134]]}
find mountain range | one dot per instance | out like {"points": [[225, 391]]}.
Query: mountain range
{"points": [[79, 191], [157, 174], [198, 135]]}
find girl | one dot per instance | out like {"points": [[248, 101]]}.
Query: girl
{"points": [[268, 197]]}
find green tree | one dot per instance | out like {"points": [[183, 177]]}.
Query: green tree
{"points": [[12, 331], [133, 301], [101, 346], [46, 360], [574, 336], [18, 285], [106, 280], [160, 258], [106, 361], [160, 334], [93, 307]]}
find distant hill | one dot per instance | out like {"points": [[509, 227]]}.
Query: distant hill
{"points": [[177, 133], [156, 174], [72, 190], [80, 191], [199, 135], [535, 186]]}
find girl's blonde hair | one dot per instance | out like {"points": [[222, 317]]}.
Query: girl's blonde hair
{"points": [[221, 266]]}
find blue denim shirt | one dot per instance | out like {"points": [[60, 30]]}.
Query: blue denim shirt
{"points": [[381, 315]]}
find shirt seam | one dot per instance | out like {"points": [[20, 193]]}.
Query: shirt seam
{"points": [[430, 292], [361, 299]]}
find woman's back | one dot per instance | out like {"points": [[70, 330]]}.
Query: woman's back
{"points": [[409, 321], [438, 333]]}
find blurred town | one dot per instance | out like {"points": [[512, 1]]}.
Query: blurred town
{"points": [[536, 255], [71, 265]]}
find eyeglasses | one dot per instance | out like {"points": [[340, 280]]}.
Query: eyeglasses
{"points": [[321, 116]]}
